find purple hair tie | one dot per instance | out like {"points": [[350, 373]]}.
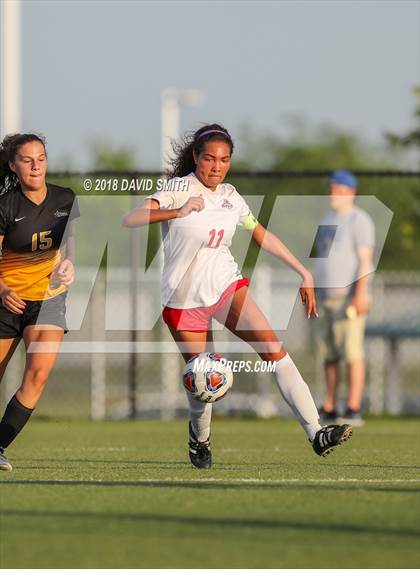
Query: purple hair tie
{"points": [[213, 131]]}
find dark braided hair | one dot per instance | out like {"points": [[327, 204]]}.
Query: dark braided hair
{"points": [[183, 162], [8, 150]]}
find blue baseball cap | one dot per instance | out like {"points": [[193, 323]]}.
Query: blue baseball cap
{"points": [[344, 178]]}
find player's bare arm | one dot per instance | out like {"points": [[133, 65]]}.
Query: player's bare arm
{"points": [[8, 297], [360, 299], [150, 212], [272, 244]]}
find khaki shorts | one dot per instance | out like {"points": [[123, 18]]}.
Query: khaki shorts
{"points": [[339, 337]]}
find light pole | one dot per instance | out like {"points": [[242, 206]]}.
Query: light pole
{"points": [[10, 67], [10, 109], [172, 100]]}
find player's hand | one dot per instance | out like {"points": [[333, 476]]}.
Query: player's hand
{"points": [[307, 294], [193, 204], [12, 301], [360, 304], [63, 274]]}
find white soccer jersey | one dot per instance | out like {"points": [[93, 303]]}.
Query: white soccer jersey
{"points": [[198, 265]]}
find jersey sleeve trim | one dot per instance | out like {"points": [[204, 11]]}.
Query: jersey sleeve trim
{"points": [[250, 223]]}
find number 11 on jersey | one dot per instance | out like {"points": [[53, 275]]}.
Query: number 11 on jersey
{"points": [[212, 234]]}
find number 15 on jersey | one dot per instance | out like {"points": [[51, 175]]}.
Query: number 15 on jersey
{"points": [[42, 241]]}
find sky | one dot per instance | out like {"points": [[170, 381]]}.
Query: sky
{"points": [[95, 69]]}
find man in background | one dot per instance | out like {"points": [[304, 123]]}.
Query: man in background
{"points": [[344, 247]]}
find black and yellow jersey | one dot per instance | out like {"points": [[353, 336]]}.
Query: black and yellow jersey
{"points": [[33, 234]]}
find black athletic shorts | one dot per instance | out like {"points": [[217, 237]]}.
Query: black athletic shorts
{"points": [[53, 312]]}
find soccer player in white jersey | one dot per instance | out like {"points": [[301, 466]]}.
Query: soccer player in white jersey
{"points": [[201, 280]]}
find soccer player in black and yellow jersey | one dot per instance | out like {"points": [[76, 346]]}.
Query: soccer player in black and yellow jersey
{"points": [[36, 267]]}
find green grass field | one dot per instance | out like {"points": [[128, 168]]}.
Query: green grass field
{"points": [[123, 495]]}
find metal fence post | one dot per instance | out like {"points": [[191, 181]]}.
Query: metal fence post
{"points": [[134, 269], [98, 360], [393, 400], [376, 351]]}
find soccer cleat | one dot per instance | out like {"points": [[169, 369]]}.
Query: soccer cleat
{"points": [[354, 418], [199, 451], [327, 416], [4, 463], [329, 437]]}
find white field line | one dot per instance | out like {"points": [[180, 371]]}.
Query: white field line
{"points": [[76, 449], [93, 449], [245, 480]]}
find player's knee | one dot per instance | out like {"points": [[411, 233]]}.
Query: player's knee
{"points": [[270, 345]]}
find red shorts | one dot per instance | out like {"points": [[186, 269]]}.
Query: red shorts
{"points": [[199, 319]]}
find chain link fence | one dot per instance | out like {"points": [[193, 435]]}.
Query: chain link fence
{"points": [[114, 372]]}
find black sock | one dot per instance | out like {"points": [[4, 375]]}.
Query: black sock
{"points": [[14, 419]]}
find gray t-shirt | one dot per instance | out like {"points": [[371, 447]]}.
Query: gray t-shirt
{"points": [[338, 237]]}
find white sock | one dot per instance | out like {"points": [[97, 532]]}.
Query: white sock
{"points": [[200, 417], [297, 395]]}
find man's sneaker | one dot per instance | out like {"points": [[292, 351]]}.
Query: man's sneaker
{"points": [[354, 418], [4, 463], [330, 436], [200, 453], [327, 416]]}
